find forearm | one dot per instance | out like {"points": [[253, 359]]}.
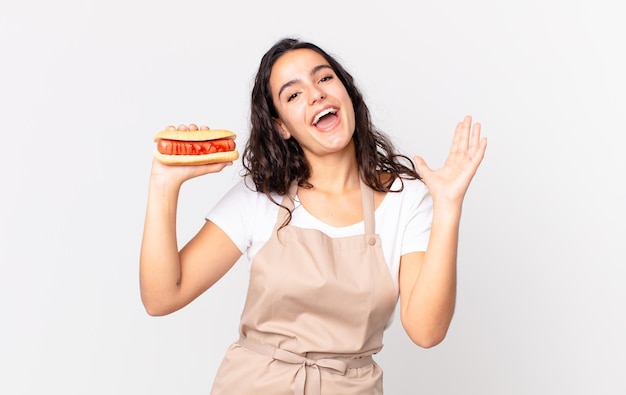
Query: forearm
{"points": [[159, 267], [428, 311], [428, 280]]}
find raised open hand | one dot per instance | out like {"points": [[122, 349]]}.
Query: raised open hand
{"points": [[449, 184]]}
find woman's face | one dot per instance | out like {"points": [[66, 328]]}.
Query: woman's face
{"points": [[313, 105]]}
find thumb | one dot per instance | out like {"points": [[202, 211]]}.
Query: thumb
{"points": [[421, 166]]}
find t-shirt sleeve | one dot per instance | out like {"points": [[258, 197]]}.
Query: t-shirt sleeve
{"points": [[233, 214], [419, 216]]}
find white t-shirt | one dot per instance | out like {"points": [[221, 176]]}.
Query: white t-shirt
{"points": [[403, 220]]}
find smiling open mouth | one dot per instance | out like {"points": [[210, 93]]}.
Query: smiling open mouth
{"points": [[325, 118]]}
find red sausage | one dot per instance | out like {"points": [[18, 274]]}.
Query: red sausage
{"points": [[176, 147]]}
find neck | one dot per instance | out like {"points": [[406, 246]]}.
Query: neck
{"points": [[334, 173]]}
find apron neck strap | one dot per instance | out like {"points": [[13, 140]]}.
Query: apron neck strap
{"points": [[367, 199]]}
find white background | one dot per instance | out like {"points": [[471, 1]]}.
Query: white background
{"points": [[85, 85]]}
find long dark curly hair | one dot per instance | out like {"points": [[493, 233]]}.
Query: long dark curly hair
{"points": [[273, 163]]}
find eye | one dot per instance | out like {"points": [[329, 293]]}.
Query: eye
{"points": [[326, 78], [292, 96]]}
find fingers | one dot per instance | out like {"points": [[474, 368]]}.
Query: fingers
{"points": [[467, 137], [464, 135], [477, 144], [479, 154], [191, 126], [461, 138], [475, 138], [458, 139], [455, 138]]}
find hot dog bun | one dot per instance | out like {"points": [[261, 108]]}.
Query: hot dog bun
{"points": [[195, 136], [196, 159]]}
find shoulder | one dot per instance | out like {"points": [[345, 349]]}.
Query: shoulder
{"points": [[243, 212], [404, 188], [244, 194], [408, 199]]}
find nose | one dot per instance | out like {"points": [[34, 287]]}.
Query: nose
{"points": [[317, 94]]}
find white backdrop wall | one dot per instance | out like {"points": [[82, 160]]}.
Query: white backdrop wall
{"points": [[85, 85]]}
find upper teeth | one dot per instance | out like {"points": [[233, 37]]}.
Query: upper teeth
{"points": [[322, 113]]}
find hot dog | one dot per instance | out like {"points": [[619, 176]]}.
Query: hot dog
{"points": [[195, 147]]}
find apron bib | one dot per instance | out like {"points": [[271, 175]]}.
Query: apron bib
{"points": [[315, 312]]}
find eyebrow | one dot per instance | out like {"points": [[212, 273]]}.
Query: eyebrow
{"points": [[291, 82]]}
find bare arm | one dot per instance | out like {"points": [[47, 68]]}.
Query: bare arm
{"points": [[428, 279], [170, 279]]}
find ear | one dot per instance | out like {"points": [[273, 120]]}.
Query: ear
{"points": [[280, 127]]}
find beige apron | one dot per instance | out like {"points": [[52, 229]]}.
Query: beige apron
{"points": [[315, 313]]}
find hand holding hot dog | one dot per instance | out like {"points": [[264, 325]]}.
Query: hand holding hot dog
{"points": [[188, 151], [190, 145]]}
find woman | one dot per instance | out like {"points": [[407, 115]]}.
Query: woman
{"points": [[336, 224]]}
